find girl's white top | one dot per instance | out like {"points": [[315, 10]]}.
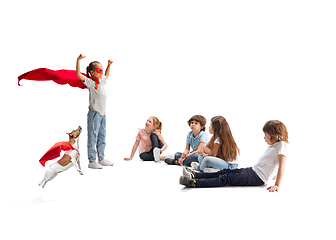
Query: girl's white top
{"points": [[97, 97]]}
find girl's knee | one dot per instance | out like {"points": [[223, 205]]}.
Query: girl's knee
{"points": [[153, 135], [206, 161]]}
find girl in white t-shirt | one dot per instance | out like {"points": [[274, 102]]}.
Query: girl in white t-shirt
{"points": [[95, 81], [276, 136], [222, 151]]}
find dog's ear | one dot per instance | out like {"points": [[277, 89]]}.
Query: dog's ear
{"points": [[69, 134]]}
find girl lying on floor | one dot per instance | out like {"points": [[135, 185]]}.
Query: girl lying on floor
{"points": [[276, 136]]}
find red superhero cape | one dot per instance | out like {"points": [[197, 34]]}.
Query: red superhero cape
{"points": [[59, 76], [55, 151]]}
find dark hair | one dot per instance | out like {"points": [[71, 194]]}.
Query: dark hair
{"points": [[91, 68], [198, 118]]}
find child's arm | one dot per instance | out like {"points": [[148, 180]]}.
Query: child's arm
{"points": [[184, 155], [79, 74], [164, 147], [214, 150], [186, 151], [281, 170], [135, 146], [206, 151], [199, 149], [107, 71]]}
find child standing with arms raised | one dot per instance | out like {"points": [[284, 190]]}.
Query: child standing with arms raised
{"points": [[96, 119]]}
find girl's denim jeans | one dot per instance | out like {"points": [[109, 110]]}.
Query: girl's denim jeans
{"points": [[214, 162], [96, 135]]}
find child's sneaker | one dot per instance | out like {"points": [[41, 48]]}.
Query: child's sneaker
{"points": [[170, 161], [95, 165], [187, 181], [105, 162], [194, 165], [156, 153], [188, 173]]}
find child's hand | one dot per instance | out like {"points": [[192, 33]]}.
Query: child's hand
{"points": [[206, 150], [274, 188], [127, 159], [180, 160], [110, 61], [81, 56]]}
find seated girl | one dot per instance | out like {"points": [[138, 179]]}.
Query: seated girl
{"points": [[222, 151], [150, 141]]}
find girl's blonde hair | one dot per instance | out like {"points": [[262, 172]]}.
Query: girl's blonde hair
{"points": [[275, 128], [157, 123], [228, 149]]}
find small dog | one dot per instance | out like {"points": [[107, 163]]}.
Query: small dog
{"points": [[70, 158]]}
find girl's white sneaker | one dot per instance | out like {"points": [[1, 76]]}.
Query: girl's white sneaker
{"points": [[95, 165], [156, 153], [194, 165]]}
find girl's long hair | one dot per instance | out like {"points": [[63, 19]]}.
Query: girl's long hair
{"points": [[228, 149]]}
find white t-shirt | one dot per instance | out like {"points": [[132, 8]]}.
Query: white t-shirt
{"points": [[270, 160], [97, 97]]}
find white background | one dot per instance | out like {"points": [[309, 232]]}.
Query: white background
{"points": [[249, 61]]}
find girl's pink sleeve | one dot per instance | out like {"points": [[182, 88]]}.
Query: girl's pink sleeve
{"points": [[138, 137]]}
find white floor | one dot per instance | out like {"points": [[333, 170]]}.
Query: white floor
{"points": [[249, 61], [143, 199]]}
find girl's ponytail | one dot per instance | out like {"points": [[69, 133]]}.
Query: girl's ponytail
{"points": [[88, 71], [160, 126], [157, 123]]}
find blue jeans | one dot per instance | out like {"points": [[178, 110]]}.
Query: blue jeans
{"points": [[96, 135], [188, 160], [214, 162]]}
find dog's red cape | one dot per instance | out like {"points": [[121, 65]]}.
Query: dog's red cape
{"points": [[55, 151], [58, 76]]}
